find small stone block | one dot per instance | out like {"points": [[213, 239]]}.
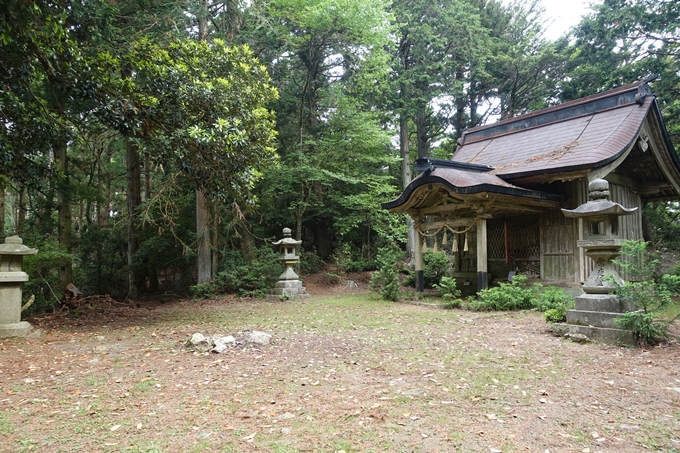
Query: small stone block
{"points": [[598, 334], [609, 303], [592, 318]]}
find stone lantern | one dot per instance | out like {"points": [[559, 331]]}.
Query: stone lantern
{"points": [[601, 240], [289, 284], [12, 254], [596, 310]]}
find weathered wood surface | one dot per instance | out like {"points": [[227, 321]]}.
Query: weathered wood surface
{"points": [[482, 265], [558, 237]]}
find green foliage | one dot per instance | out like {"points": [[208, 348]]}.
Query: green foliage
{"points": [[350, 259], [386, 278], [43, 274], [450, 292], [211, 100], [508, 296], [310, 262], [645, 289], [649, 292], [622, 41], [647, 330], [254, 279], [435, 266], [554, 303], [103, 261], [662, 222]]}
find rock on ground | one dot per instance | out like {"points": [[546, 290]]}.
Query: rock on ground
{"points": [[222, 344], [199, 342], [259, 338]]}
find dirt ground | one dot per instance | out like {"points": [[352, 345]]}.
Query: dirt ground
{"points": [[344, 372]]}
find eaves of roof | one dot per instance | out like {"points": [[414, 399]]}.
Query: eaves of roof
{"points": [[467, 182]]}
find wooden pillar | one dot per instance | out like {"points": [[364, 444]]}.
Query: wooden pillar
{"points": [[420, 278], [482, 263], [203, 255]]}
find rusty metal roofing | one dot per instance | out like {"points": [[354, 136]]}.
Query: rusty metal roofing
{"points": [[586, 133]]}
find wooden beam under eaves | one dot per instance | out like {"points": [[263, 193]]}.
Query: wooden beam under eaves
{"points": [[653, 187]]}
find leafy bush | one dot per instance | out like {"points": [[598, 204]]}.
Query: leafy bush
{"points": [[650, 293], [554, 315], [450, 292], [349, 259], [647, 330], [435, 266], [310, 262], [386, 278], [253, 279], [554, 303], [42, 269], [508, 296]]}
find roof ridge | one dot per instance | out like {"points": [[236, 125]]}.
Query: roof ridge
{"points": [[549, 115]]}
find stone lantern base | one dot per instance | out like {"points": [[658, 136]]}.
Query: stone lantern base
{"points": [[17, 329], [593, 316], [291, 289]]}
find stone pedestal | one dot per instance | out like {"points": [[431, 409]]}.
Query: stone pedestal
{"points": [[11, 282], [593, 316], [292, 289]]}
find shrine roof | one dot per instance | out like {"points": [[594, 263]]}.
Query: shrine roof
{"points": [[584, 133], [565, 141]]}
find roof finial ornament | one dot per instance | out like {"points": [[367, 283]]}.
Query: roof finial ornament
{"points": [[598, 189]]}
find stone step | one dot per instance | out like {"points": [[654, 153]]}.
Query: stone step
{"points": [[598, 334], [608, 303], [592, 318]]}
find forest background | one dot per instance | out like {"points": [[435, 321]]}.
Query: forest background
{"points": [[149, 145]]}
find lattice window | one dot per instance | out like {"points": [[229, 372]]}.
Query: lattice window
{"points": [[524, 238], [529, 268], [525, 245], [499, 269], [495, 236]]}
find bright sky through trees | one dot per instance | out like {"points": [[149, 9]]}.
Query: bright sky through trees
{"points": [[563, 14]]}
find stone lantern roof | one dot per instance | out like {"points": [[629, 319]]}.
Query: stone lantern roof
{"points": [[14, 246], [599, 203], [287, 239]]}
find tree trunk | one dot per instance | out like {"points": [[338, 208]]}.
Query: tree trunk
{"points": [[103, 213], [405, 152], [203, 257], [215, 238], [147, 177], [300, 211], [323, 238], [21, 210], [203, 238], [3, 187], [136, 279], [202, 17], [422, 134], [461, 103], [64, 221]]}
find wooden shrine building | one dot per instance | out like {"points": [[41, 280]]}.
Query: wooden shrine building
{"points": [[496, 204]]}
